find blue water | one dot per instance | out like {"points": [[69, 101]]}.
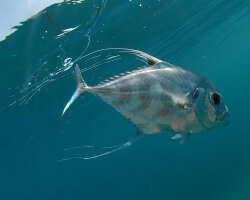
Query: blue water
{"points": [[210, 38]]}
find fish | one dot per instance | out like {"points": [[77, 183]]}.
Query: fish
{"points": [[161, 98]]}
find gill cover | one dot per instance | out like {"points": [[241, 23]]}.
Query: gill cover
{"points": [[200, 103]]}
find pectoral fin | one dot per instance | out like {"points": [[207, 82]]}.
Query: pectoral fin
{"points": [[176, 136], [183, 137]]}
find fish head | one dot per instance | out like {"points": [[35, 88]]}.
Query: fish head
{"points": [[209, 106]]}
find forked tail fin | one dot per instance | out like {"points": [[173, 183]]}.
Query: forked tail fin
{"points": [[81, 87]]}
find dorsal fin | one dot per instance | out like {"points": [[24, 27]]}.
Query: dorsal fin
{"points": [[162, 65], [151, 60]]}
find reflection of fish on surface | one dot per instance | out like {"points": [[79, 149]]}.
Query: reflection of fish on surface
{"points": [[161, 97]]}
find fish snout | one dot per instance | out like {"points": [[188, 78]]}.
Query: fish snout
{"points": [[224, 116]]}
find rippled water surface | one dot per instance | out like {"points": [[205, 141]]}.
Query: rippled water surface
{"points": [[210, 38]]}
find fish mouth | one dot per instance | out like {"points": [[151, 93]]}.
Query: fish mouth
{"points": [[224, 117]]}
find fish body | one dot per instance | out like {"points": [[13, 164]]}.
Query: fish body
{"points": [[161, 97], [153, 98]]}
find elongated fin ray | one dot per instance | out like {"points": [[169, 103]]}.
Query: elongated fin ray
{"points": [[114, 149], [151, 60]]}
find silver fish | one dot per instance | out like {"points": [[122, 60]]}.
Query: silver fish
{"points": [[161, 97]]}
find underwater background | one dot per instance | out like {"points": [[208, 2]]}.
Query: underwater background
{"points": [[210, 38]]}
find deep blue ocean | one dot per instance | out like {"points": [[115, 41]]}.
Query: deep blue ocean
{"points": [[210, 38]]}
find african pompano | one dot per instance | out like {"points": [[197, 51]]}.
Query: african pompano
{"points": [[161, 97]]}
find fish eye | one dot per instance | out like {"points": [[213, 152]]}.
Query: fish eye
{"points": [[216, 98]]}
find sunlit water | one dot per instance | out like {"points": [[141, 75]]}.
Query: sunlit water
{"points": [[210, 38]]}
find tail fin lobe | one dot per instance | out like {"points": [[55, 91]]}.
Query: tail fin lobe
{"points": [[81, 88], [79, 78]]}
